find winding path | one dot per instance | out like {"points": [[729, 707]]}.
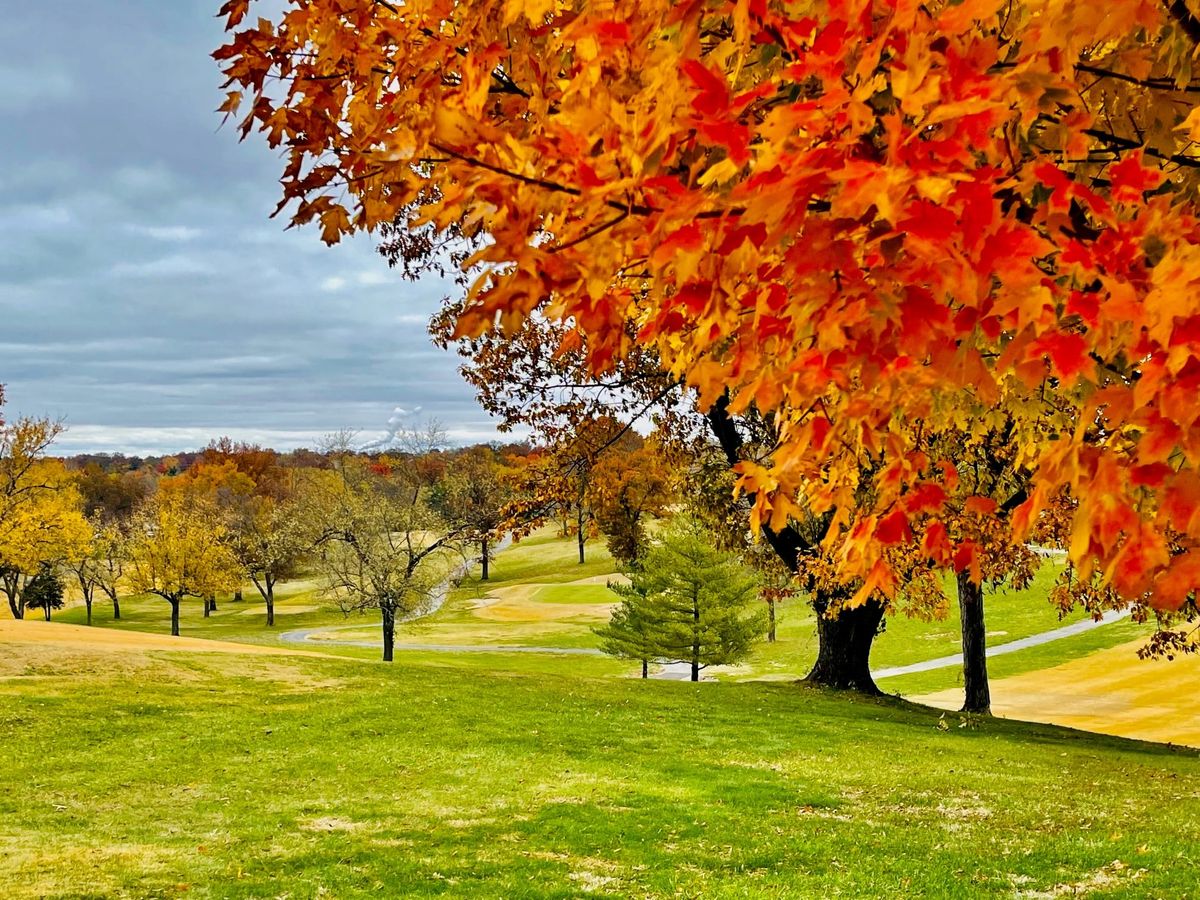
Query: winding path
{"points": [[1034, 640], [668, 671]]}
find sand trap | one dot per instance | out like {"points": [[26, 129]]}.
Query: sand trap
{"points": [[1111, 691], [516, 604], [82, 637]]}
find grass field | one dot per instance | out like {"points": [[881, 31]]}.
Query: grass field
{"points": [[140, 765], [157, 773]]}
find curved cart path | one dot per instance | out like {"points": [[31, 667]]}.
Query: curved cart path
{"points": [[668, 671], [1034, 640]]}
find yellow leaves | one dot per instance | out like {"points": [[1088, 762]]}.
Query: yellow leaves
{"points": [[233, 100], [335, 222], [1191, 125]]}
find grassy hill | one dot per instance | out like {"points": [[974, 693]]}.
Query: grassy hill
{"points": [[143, 772]]}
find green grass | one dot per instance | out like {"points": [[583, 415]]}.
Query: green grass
{"points": [[160, 774]]}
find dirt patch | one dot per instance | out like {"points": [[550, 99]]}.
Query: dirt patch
{"points": [[1111, 691], [330, 823]]}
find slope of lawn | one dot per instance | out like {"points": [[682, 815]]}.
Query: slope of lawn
{"points": [[159, 773]]}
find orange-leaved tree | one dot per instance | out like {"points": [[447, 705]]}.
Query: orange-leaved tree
{"points": [[853, 215]]}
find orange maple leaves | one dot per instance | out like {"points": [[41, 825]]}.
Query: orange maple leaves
{"points": [[873, 215]]}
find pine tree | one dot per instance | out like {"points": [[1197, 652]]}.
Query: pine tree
{"points": [[688, 602]]}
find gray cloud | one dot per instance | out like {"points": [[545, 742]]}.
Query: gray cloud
{"points": [[145, 296]]}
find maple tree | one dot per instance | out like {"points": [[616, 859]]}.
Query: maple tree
{"points": [[855, 216], [629, 482], [176, 549]]}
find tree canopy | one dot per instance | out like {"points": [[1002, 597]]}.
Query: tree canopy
{"points": [[864, 218]]}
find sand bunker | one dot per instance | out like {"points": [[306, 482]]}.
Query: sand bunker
{"points": [[1111, 691], [517, 604]]}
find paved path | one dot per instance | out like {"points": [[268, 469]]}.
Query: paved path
{"points": [[1034, 640], [676, 671]]}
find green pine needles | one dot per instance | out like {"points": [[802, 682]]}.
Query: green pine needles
{"points": [[686, 602]]}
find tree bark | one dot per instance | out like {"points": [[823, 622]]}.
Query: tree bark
{"points": [[204, 600], [269, 596], [843, 643], [645, 668], [46, 610], [484, 543], [389, 632], [237, 597], [695, 637], [17, 611], [844, 646], [116, 607], [88, 602], [771, 620], [978, 698], [174, 601], [579, 533], [212, 603]]}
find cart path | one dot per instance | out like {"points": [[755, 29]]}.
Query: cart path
{"points": [[1034, 640]]}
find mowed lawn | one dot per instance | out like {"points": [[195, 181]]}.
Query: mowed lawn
{"points": [[157, 773]]}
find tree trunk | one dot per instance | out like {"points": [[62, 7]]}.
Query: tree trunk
{"points": [[771, 620], [389, 632], [844, 646], [88, 602], [579, 534], [974, 646], [174, 616], [484, 542], [269, 596], [18, 612], [116, 607], [46, 610], [695, 637], [237, 597], [212, 603], [645, 668], [204, 600]]}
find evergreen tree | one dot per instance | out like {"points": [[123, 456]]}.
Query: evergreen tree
{"points": [[44, 591], [688, 602]]}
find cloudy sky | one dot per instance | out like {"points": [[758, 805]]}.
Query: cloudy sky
{"points": [[145, 296]]}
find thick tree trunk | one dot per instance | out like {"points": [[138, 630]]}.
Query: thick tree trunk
{"points": [[978, 697], [844, 646], [116, 607], [389, 632], [645, 668], [18, 612], [89, 610], [212, 603], [484, 543], [204, 600], [579, 533], [237, 597], [174, 616], [269, 596], [771, 620]]}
